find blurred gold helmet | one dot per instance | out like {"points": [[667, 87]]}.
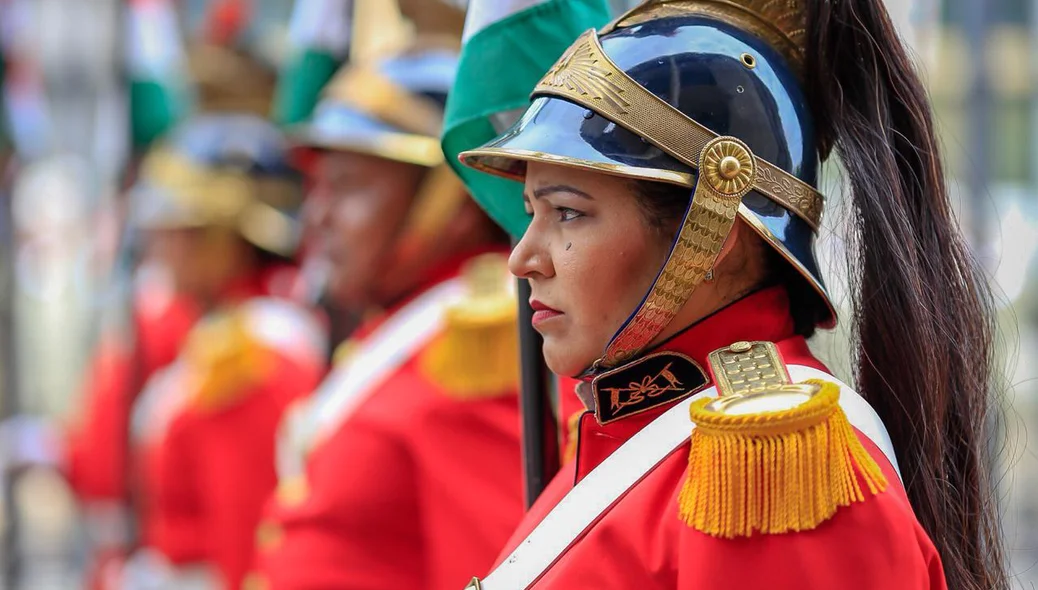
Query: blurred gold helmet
{"points": [[222, 170]]}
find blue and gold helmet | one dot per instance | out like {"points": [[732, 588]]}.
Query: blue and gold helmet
{"points": [[393, 108], [390, 108], [228, 170], [703, 94]]}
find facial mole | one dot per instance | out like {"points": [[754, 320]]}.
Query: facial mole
{"points": [[569, 245]]}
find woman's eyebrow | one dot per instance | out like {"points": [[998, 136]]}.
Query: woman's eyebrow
{"points": [[560, 188]]}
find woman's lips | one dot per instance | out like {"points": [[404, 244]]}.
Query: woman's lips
{"points": [[542, 313]]}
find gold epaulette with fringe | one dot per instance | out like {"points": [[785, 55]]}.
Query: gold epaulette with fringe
{"points": [[477, 354], [224, 361], [769, 456]]}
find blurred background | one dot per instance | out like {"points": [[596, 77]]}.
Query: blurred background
{"points": [[75, 73]]}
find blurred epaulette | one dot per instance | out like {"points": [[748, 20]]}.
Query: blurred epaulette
{"points": [[225, 360], [477, 354], [769, 456]]}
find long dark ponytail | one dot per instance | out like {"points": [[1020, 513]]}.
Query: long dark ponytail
{"points": [[922, 309]]}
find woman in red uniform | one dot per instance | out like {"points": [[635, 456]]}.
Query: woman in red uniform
{"points": [[670, 166]]}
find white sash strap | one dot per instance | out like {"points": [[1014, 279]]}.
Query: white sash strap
{"points": [[383, 352], [601, 488]]}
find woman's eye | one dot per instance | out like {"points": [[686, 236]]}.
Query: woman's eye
{"points": [[567, 214]]}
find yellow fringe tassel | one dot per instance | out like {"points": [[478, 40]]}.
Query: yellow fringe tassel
{"points": [[774, 472], [475, 359], [225, 361], [476, 356]]}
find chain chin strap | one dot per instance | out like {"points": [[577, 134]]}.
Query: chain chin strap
{"points": [[726, 172]]}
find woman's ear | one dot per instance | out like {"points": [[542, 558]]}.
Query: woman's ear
{"points": [[737, 232]]}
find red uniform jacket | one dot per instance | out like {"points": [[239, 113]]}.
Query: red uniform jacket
{"points": [[97, 446], [640, 542], [207, 426], [418, 486]]}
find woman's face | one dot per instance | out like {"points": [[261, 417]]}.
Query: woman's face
{"points": [[589, 254]]}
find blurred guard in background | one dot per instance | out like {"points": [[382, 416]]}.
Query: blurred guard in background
{"points": [[97, 457], [223, 193], [204, 427], [176, 274], [135, 342], [403, 469]]}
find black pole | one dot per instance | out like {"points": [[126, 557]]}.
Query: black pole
{"points": [[540, 426]]}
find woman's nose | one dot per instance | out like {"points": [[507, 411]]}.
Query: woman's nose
{"points": [[529, 258]]}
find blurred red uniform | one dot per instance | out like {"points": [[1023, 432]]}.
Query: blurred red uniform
{"points": [[97, 442], [875, 543], [97, 459], [404, 469], [205, 427]]}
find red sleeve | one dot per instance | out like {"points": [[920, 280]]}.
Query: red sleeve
{"points": [[216, 469], [177, 517], [240, 467], [470, 471], [357, 528], [872, 545], [97, 442]]}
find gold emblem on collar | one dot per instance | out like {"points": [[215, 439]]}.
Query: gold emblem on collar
{"points": [[641, 385]]}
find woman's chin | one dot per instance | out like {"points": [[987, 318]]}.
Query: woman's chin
{"points": [[562, 359]]}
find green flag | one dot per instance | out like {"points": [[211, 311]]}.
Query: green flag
{"points": [[509, 45], [319, 36], [157, 68]]}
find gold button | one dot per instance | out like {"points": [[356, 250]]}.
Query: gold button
{"points": [[293, 491], [255, 581], [729, 167], [269, 536], [740, 346]]}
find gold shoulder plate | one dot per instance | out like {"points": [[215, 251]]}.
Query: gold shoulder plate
{"points": [[747, 366], [770, 456], [477, 354], [224, 360]]}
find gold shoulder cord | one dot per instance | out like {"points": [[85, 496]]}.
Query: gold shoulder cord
{"points": [[728, 170]]}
